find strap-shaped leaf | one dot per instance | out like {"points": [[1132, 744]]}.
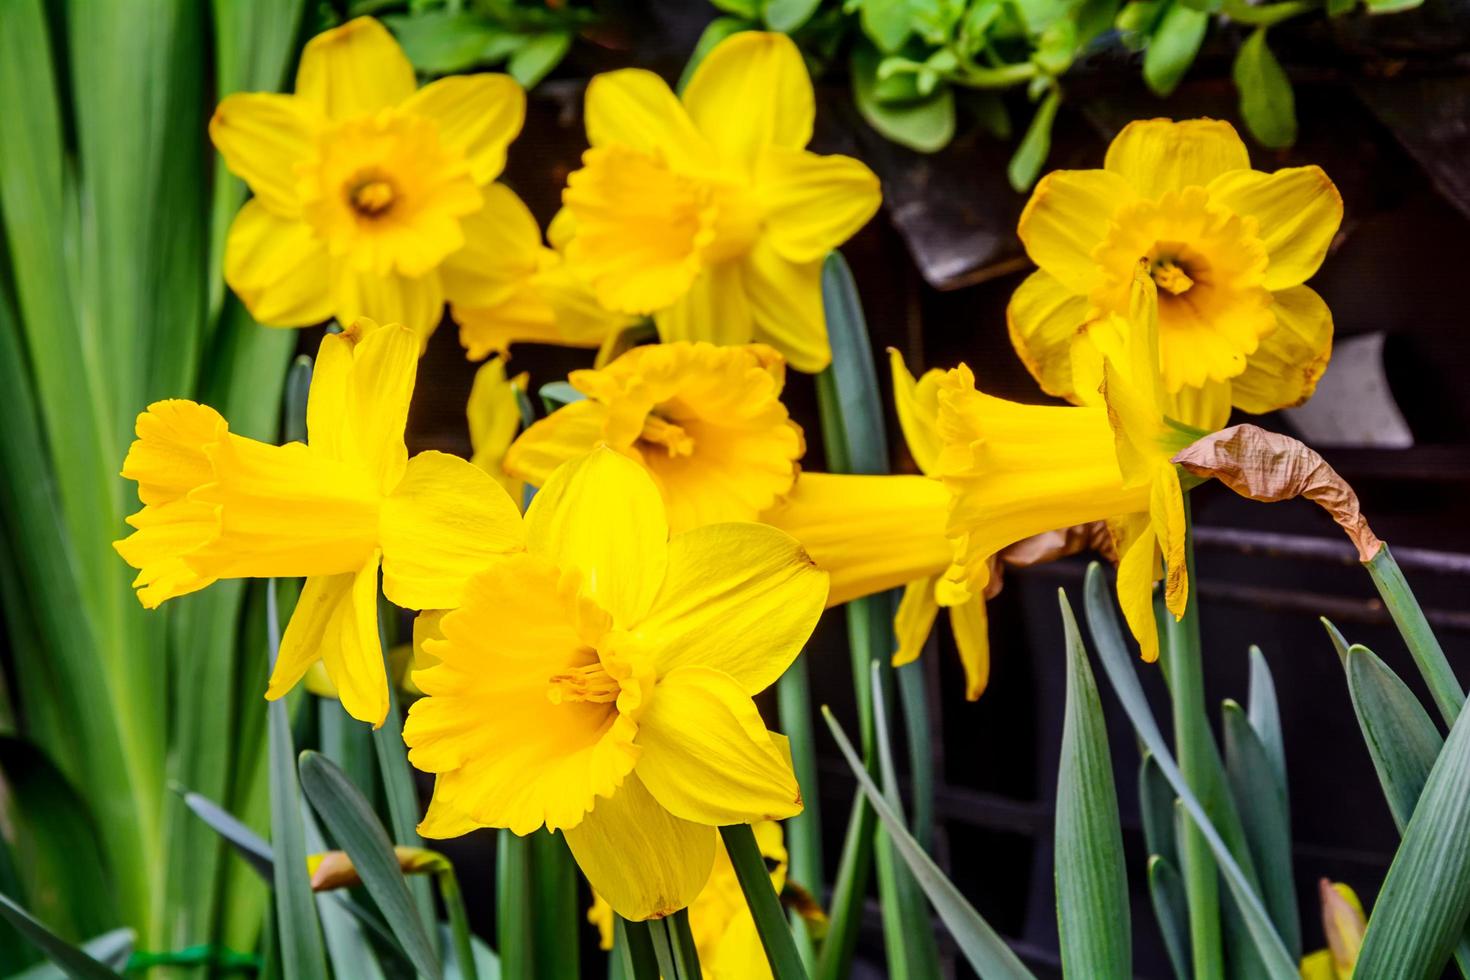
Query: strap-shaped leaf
{"points": [[1156, 804], [354, 826], [1265, 714], [1166, 890], [77, 964], [246, 842], [1092, 883]]}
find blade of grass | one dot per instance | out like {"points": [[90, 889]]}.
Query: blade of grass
{"points": [[1429, 657], [1102, 622], [76, 963], [1092, 882], [111, 949], [765, 906], [351, 821], [246, 842]]}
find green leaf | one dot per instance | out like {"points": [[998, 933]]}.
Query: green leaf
{"points": [[673, 947], [111, 949], [980, 944], [514, 898], [887, 23], [1260, 798], [77, 964], [714, 32], [1092, 881], [555, 394], [1166, 891], [852, 418], [397, 778], [765, 906], [1265, 716], [748, 9], [439, 42], [1156, 805], [537, 56], [246, 842], [1422, 907], [1172, 47], [1399, 733], [1035, 146], [1339, 642], [1391, 6], [788, 15], [1102, 622], [486, 963], [351, 821], [925, 125], [633, 945], [1423, 645], [1266, 101]]}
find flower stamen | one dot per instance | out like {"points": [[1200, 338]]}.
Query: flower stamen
{"points": [[588, 683], [659, 431], [371, 197], [1170, 277]]}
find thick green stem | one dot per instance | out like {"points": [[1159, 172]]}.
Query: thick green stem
{"points": [[1429, 657], [513, 907]]}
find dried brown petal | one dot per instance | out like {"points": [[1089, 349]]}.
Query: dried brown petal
{"points": [[1269, 466], [334, 869]]}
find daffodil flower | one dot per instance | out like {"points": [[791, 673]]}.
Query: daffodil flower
{"points": [[367, 189], [507, 287], [706, 210], [600, 684], [494, 415], [724, 931], [706, 422], [1228, 247], [219, 505]]}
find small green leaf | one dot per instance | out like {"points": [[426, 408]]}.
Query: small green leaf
{"points": [[1336, 8], [354, 826], [1156, 805], [246, 842], [788, 15], [886, 23], [537, 56], [1172, 47], [111, 949], [925, 125], [714, 32], [1265, 716], [77, 964], [1266, 101], [1166, 891], [1392, 6], [1035, 146], [438, 42], [1092, 882], [486, 963], [1339, 642], [555, 394], [1399, 733], [747, 9]]}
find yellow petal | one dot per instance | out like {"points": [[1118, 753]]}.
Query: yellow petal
{"points": [[478, 115], [715, 309], [494, 415], [634, 108], [786, 304], [1166, 514], [601, 515], [1318, 966], [1206, 408], [1298, 211], [1136, 585], [1044, 317], [506, 753], [568, 433], [872, 533], [336, 621], [278, 268], [917, 404], [813, 203], [415, 302], [502, 250], [707, 755], [739, 952], [1159, 155], [1285, 368], [752, 91], [366, 426], [740, 598], [914, 620], [441, 525], [262, 137], [1067, 217], [354, 69], [971, 628], [645, 861]]}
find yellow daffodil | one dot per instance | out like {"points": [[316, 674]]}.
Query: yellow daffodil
{"points": [[1344, 923], [706, 210], [507, 287], [218, 505], [366, 189], [1017, 470], [1228, 247], [724, 932], [706, 422], [600, 684], [494, 415]]}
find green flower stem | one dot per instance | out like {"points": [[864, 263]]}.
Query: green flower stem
{"points": [[673, 947], [765, 907], [803, 831], [513, 926], [1184, 672], [459, 922], [1429, 657], [632, 950]]}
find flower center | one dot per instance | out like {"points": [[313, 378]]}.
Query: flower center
{"points": [[371, 195], [1171, 277], [736, 226], [591, 683], [1176, 267], [672, 438]]}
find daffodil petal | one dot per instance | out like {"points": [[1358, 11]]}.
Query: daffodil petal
{"points": [[1159, 155], [443, 523], [354, 70], [786, 304], [636, 109], [914, 620], [646, 862], [1067, 217], [568, 433], [715, 308], [707, 755], [917, 404], [740, 598], [277, 267], [301, 644], [262, 136], [1284, 370], [1208, 408], [813, 203], [1044, 317], [336, 621], [1166, 514], [1136, 584], [494, 415], [602, 516], [1298, 211], [971, 627], [502, 250], [384, 367], [477, 114], [415, 302], [752, 91]]}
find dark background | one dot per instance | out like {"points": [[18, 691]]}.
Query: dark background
{"points": [[1384, 109]]}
